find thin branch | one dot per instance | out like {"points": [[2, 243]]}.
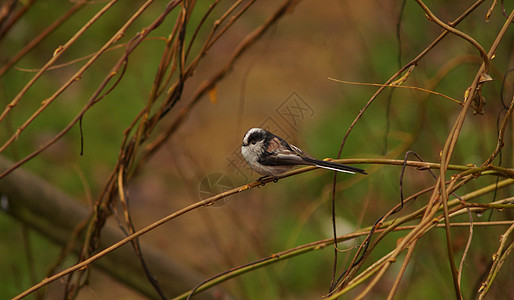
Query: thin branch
{"points": [[38, 39], [57, 53], [461, 34]]}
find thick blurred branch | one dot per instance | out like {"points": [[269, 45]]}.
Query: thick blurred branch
{"points": [[55, 215]]}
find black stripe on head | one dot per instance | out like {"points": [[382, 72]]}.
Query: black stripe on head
{"points": [[255, 136]]}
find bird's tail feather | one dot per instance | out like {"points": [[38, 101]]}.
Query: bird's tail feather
{"points": [[334, 166]]}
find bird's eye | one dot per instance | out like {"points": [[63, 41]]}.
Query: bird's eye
{"points": [[253, 142]]}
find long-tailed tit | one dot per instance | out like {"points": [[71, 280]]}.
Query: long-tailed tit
{"points": [[270, 155]]}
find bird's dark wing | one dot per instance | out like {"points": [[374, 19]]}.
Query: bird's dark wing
{"points": [[279, 152]]}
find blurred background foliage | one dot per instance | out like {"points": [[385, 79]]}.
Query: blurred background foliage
{"points": [[356, 41]]}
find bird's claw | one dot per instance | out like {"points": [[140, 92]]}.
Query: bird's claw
{"points": [[261, 179]]}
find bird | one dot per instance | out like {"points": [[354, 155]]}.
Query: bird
{"points": [[270, 155]]}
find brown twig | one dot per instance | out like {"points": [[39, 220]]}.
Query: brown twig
{"points": [[57, 53], [38, 39]]}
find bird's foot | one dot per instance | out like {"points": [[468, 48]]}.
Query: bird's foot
{"points": [[261, 179]]}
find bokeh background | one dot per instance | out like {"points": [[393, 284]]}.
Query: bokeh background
{"points": [[282, 82]]}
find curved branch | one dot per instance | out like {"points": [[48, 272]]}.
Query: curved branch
{"points": [[451, 29]]}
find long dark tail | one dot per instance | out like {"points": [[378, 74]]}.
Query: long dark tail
{"points": [[334, 166]]}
